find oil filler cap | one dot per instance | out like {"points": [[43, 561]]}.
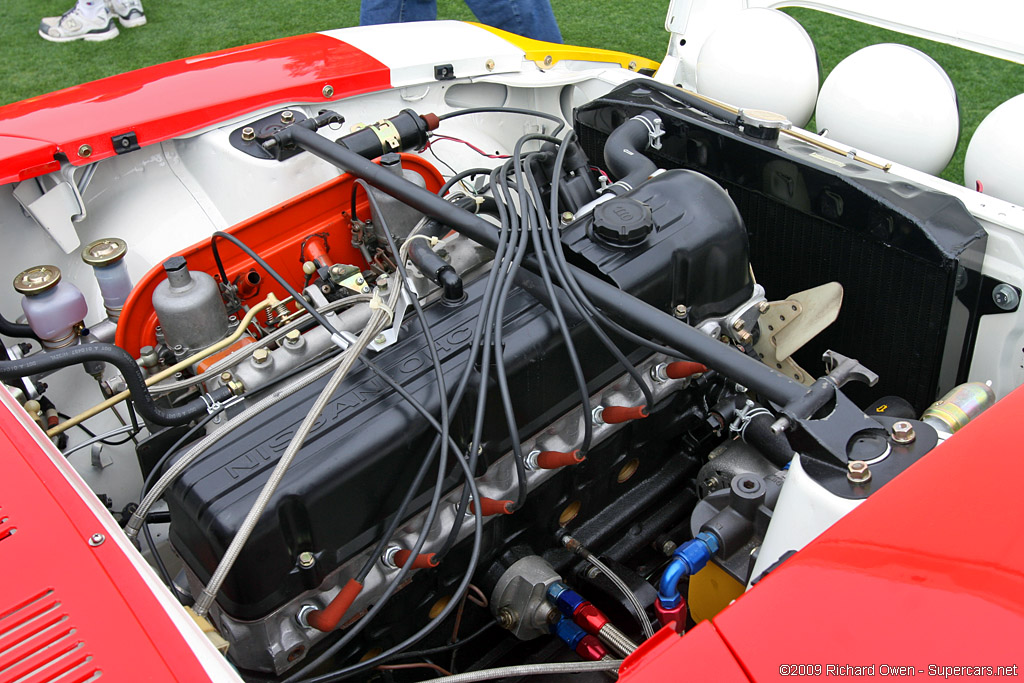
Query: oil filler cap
{"points": [[623, 221]]}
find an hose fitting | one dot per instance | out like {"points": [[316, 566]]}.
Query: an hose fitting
{"points": [[687, 560]]}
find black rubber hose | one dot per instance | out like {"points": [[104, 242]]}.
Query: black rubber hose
{"points": [[624, 152], [122, 360], [625, 308], [12, 329], [775, 447], [436, 269]]}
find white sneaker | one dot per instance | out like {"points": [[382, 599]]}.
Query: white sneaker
{"points": [[128, 12], [77, 25]]}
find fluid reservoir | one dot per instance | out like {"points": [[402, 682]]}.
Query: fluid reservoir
{"points": [[52, 307], [399, 216], [190, 308], [106, 256]]}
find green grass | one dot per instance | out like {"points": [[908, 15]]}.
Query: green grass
{"points": [[182, 28]]}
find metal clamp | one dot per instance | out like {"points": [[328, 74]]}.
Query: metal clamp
{"points": [[390, 138]]}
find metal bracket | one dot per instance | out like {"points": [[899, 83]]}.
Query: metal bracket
{"points": [[54, 209], [389, 336]]}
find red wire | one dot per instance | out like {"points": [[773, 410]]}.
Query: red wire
{"points": [[468, 144]]}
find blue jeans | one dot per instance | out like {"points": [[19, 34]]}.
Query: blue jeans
{"points": [[530, 18]]}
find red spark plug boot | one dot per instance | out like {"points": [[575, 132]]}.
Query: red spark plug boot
{"points": [[591, 649], [489, 506], [552, 460], [614, 415], [327, 619], [675, 617], [422, 561], [683, 369], [315, 248]]}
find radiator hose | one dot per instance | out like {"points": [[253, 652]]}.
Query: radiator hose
{"points": [[122, 360], [625, 149]]}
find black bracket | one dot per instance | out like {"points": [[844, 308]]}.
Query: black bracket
{"points": [[444, 72], [124, 143]]}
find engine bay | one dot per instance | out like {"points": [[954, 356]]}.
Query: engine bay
{"points": [[525, 404]]}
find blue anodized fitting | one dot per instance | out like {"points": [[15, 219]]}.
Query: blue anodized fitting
{"points": [[568, 632], [566, 599], [687, 560]]}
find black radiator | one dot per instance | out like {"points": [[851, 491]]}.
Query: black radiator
{"points": [[908, 257]]}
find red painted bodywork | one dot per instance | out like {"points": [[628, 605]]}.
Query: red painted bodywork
{"points": [[929, 571], [168, 100], [81, 608]]}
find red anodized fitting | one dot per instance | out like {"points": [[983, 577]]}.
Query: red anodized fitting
{"points": [[551, 460], [589, 618], [591, 649], [422, 561], [614, 415], [489, 506], [675, 617], [683, 369]]}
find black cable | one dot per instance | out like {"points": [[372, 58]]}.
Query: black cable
{"points": [[451, 182], [544, 253], [522, 242], [417, 654], [506, 110], [92, 434], [533, 213], [160, 566], [123, 361], [183, 439], [481, 344]]}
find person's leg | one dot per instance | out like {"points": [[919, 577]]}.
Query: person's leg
{"points": [[87, 20], [530, 18], [395, 11]]}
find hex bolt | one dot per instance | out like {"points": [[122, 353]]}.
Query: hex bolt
{"points": [[306, 559], [857, 472], [763, 307], [507, 618], [680, 311], [1005, 297], [668, 547], [248, 134], [225, 377], [738, 324], [903, 432], [383, 280], [745, 337], [260, 356], [287, 116], [567, 217], [293, 338], [380, 339], [97, 539]]}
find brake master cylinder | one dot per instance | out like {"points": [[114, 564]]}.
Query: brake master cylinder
{"points": [[52, 307]]}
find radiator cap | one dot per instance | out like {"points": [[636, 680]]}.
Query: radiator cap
{"points": [[623, 221]]}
